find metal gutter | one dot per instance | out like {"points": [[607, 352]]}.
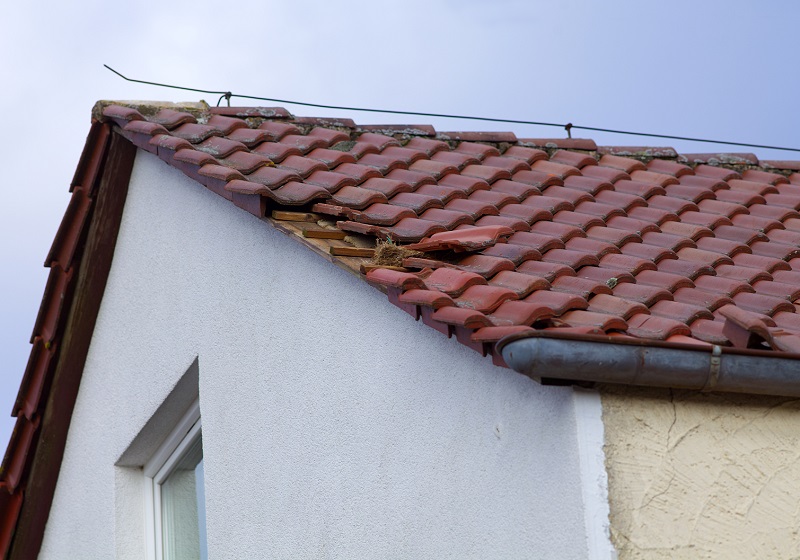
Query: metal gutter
{"points": [[604, 359]]}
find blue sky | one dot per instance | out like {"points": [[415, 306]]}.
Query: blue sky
{"points": [[724, 70]]}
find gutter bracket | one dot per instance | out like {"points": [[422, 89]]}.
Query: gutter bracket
{"points": [[714, 367]]}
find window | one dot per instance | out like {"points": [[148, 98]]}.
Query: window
{"points": [[175, 494]]}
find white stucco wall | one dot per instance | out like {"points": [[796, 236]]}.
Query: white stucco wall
{"points": [[334, 425]]}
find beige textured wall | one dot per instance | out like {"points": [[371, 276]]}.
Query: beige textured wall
{"points": [[693, 475]]}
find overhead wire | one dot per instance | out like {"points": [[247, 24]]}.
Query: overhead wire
{"points": [[567, 126]]}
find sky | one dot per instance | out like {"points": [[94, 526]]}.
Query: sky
{"points": [[712, 69]]}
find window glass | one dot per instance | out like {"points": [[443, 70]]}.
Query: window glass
{"points": [[183, 515]]}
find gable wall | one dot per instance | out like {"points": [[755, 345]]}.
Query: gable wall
{"points": [[333, 424]]}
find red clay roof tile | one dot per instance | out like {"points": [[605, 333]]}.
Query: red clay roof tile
{"points": [[276, 151], [557, 302], [195, 133], [669, 168], [660, 179], [226, 125], [548, 271], [456, 159], [612, 305], [461, 316], [330, 181], [709, 234], [658, 279], [601, 321], [485, 265], [574, 159], [388, 187], [656, 328], [331, 158], [694, 296], [583, 287], [608, 276], [621, 163]]}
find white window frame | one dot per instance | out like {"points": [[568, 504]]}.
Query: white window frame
{"points": [[158, 468]]}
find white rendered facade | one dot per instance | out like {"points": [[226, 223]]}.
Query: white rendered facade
{"points": [[334, 425]]}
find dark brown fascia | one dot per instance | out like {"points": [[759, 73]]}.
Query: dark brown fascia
{"points": [[79, 260]]}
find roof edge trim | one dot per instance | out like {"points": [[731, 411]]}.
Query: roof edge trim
{"points": [[22, 527]]}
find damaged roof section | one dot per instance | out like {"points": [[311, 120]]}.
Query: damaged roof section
{"points": [[530, 234]]}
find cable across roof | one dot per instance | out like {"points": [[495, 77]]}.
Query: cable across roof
{"points": [[568, 126]]}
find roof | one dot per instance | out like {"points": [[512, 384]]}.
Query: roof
{"points": [[481, 235], [517, 233]]}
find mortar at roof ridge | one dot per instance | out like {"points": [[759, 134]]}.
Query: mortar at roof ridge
{"points": [[199, 109]]}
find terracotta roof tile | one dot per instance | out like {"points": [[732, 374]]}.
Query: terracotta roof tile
{"points": [[558, 303], [574, 159], [480, 151], [656, 328], [618, 237], [381, 163], [548, 271], [518, 254], [276, 151], [760, 262], [739, 197], [413, 178], [226, 125], [639, 188], [646, 295], [608, 276], [700, 298], [716, 159], [484, 298], [485, 265], [195, 133], [584, 287], [709, 331], [383, 214], [461, 316], [427, 145], [277, 130], [519, 313], [591, 185], [649, 214], [554, 169], [612, 305], [596, 247], [410, 230], [658, 279], [563, 143], [519, 190], [621, 163], [448, 218], [529, 155], [459, 160], [331, 158], [601, 321], [520, 284], [656, 241], [478, 136], [669, 168], [609, 174], [680, 311]]}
